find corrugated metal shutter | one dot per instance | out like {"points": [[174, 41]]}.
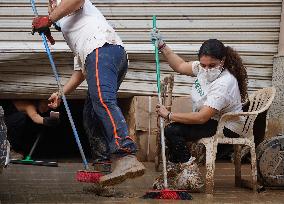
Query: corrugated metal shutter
{"points": [[250, 26]]}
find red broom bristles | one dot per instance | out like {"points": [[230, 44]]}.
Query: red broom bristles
{"points": [[168, 194], [88, 176]]}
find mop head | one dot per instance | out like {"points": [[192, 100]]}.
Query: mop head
{"points": [[168, 194], [88, 176]]}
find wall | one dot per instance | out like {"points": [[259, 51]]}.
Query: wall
{"points": [[276, 112]]}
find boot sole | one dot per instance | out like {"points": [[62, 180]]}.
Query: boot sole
{"points": [[119, 179]]}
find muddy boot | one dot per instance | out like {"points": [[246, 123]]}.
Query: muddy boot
{"points": [[103, 167], [125, 167], [189, 177], [171, 173]]}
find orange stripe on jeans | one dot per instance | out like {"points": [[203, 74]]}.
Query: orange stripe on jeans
{"points": [[102, 101]]}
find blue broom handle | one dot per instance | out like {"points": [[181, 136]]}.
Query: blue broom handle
{"points": [[160, 102], [61, 91]]}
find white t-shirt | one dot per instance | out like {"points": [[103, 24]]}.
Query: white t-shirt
{"points": [[85, 30], [222, 94]]}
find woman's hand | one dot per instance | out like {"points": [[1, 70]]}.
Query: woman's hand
{"points": [[162, 111], [54, 100]]}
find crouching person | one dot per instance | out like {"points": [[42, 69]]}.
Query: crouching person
{"points": [[24, 119], [220, 87]]}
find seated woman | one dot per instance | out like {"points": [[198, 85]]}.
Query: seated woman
{"points": [[220, 87]]}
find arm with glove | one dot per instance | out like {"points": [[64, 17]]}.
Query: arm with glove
{"points": [[42, 24], [30, 109]]}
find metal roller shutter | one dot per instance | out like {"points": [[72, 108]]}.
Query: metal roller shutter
{"points": [[250, 26]]}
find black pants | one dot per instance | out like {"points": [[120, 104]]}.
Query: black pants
{"points": [[21, 131], [177, 134]]}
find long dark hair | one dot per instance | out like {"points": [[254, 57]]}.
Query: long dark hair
{"points": [[233, 62]]}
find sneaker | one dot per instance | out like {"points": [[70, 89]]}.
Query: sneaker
{"points": [[16, 155], [124, 168]]}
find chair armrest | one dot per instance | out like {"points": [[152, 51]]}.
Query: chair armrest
{"points": [[231, 116]]}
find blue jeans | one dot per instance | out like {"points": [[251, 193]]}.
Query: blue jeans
{"points": [[103, 120]]}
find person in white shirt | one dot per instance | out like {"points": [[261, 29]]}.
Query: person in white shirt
{"points": [[100, 58], [220, 87]]}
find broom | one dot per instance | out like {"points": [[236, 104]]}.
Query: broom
{"points": [[82, 175], [165, 193]]}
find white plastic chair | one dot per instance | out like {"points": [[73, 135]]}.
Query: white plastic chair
{"points": [[259, 102]]}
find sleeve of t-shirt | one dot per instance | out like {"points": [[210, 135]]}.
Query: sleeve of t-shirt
{"points": [[195, 67], [77, 63], [217, 97]]}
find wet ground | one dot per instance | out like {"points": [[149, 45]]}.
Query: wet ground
{"points": [[36, 184]]}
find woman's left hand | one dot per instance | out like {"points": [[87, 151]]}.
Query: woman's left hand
{"points": [[162, 111]]}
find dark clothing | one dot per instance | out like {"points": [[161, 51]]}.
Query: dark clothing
{"points": [[8, 106], [177, 134], [103, 120], [21, 130]]}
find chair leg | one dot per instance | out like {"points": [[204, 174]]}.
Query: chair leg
{"points": [[238, 167], [211, 149], [253, 167]]}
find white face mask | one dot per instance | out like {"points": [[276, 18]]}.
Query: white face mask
{"points": [[211, 74]]}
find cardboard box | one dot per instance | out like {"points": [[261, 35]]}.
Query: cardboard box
{"points": [[141, 116]]}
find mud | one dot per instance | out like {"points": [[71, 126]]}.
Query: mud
{"points": [[106, 191], [36, 184]]}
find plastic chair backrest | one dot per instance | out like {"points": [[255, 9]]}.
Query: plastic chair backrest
{"points": [[260, 101]]}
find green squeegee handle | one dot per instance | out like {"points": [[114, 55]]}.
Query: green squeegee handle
{"points": [[155, 43], [29, 156]]}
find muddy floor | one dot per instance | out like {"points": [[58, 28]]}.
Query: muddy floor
{"points": [[36, 184]]}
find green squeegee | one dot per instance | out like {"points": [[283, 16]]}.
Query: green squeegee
{"points": [[29, 161]]}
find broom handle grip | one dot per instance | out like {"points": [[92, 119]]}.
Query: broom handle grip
{"points": [[160, 102], [62, 93]]}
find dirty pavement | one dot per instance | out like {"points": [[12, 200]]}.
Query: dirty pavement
{"points": [[37, 184]]}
